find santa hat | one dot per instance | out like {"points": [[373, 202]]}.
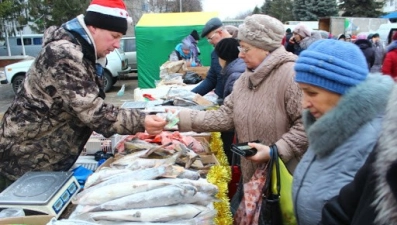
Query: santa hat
{"points": [[109, 15]]}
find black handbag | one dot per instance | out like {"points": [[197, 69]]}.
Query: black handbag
{"points": [[191, 78], [270, 209]]}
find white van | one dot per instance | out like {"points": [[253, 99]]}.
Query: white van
{"points": [[31, 42], [384, 30]]}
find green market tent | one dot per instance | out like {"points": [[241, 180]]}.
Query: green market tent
{"points": [[157, 34]]}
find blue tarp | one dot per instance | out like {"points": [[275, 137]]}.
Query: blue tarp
{"points": [[392, 15]]}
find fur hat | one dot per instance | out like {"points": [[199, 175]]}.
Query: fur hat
{"points": [[363, 36], [109, 15], [212, 24], [261, 31], [195, 35], [333, 65], [302, 30], [227, 49], [232, 30]]}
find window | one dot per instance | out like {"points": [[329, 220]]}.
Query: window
{"points": [[37, 41], [129, 45], [26, 41]]}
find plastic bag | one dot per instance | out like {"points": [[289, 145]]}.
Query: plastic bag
{"points": [[191, 78]]}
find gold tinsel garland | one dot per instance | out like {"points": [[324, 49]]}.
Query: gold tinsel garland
{"points": [[220, 175]]}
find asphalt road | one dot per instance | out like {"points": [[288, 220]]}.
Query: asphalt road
{"points": [[7, 94]]}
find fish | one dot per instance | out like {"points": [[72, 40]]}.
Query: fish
{"points": [[200, 198], [124, 161], [163, 196], [183, 173], [192, 156], [113, 191], [137, 144], [201, 184], [159, 148], [102, 175], [154, 214], [54, 221], [144, 174], [150, 163]]}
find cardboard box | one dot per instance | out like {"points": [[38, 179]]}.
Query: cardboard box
{"points": [[200, 70], [207, 159], [28, 220]]}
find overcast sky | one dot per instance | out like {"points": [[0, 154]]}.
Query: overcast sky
{"points": [[230, 8]]}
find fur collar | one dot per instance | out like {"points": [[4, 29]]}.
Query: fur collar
{"points": [[385, 202], [356, 107]]}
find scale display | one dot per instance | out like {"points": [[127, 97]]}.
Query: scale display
{"points": [[46, 192]]}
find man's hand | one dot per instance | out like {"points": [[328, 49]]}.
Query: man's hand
{"points": [[154, 124], [262, 155]]}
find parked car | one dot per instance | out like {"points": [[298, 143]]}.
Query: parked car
{"points": [[128, 46], [116, 66]]}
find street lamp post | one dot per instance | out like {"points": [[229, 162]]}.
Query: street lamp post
{"points": [[180, 5]]}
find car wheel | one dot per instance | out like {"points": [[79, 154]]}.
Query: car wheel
{"points": [[107, 81], [17, 82], [115, 79]]}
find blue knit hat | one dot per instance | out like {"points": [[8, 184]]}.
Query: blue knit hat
{"points": [[333, 65]]}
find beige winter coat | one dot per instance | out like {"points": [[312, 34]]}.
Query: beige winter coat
{"points": [[265, 105]]}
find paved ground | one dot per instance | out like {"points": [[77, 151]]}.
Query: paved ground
{"points": [[7, 94]]}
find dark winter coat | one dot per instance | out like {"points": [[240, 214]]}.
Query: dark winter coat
{"points": [[379, 55], [369, 53], [213, 79], [231, 73], [371, 198], [58, 107]]}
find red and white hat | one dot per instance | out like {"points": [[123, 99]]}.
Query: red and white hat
{"points": [[109, 15]]}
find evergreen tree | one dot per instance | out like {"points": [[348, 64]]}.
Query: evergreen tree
{"points": [[361, 8], [13, 15], [325, 8], [45, 13], [282, 10], [257, 10], [306, 10]]}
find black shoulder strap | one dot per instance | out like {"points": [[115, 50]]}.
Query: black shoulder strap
{"points": [[88, 50]]}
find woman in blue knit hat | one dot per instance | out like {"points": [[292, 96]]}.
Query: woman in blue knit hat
{"points": [[343, 111]]}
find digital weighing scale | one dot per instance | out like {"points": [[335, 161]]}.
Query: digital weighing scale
{"points": [[44, 192]]}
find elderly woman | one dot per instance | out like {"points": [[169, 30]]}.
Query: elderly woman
{"points": [[265, 102], [344, 107], [371, 198], [302, 38]]}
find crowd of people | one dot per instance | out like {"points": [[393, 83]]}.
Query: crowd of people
{"points": [[328, 109], [324, 103]]}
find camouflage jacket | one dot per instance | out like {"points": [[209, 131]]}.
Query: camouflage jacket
{"points": [[57, 108]]}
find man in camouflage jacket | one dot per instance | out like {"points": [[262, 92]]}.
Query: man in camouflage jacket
{"points": [[61, 101]]}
